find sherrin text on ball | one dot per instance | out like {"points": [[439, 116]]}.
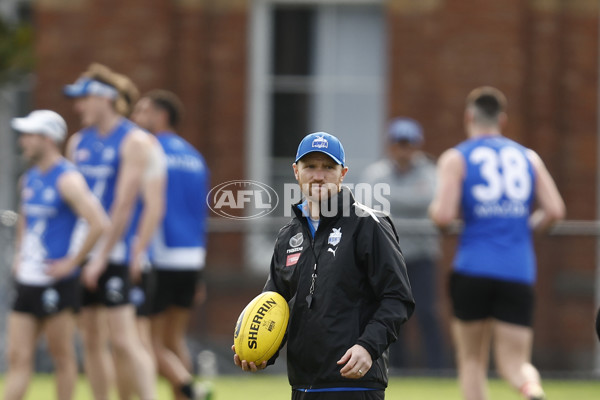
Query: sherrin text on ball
{"points": [[261, 327]]}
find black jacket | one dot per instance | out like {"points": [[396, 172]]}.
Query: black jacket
{"points": [[361, 292]]}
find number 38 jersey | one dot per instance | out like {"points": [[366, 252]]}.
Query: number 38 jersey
{"points": [[497, 198]]}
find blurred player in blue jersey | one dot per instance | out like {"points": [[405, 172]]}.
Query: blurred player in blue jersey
{"points": [[148, 215], [503, 192], [53, 196], [113, 155], [151, 211], [179, 250]]}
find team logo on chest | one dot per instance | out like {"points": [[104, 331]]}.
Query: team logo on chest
{"points": [[48, 194], [108, 154], [335, 236]]}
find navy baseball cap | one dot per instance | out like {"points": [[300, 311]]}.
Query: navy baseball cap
{"points": [[90, 87], [405, 129], [322, 142]]}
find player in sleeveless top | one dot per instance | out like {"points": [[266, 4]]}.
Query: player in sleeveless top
{"points": [[151, 212], [112, 153], [53, 196], [178, 252], [503, 192]]}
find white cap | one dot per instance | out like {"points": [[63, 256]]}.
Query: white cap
{"points": [[42, 122]]}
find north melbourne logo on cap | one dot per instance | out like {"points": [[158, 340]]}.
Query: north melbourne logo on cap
{"points": [[320, 143]]}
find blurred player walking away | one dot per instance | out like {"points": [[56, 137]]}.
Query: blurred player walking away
{"points": [[179, 250], [113, 155], [410, 175], [492, 182], [339, 265], [46, 266]]}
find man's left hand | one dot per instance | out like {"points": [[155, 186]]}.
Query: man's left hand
{"points": [[357, 362]]}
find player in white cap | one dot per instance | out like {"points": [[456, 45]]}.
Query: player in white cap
{"points": [[45, 267]]}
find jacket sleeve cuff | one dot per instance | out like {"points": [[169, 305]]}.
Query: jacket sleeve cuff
{"points": [[374, 354]]}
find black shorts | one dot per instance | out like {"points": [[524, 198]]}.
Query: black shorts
{"points": [[351, 395], [113, 288], [141, 295], [476, 298], [174, 288], [45, 301]]}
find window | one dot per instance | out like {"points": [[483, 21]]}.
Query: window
{"points": [[315, 66]]}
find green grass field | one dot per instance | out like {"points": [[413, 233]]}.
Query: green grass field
{"points": [[275, 387]]}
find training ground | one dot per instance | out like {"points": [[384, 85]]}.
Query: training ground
{"points": [[264, 386]]}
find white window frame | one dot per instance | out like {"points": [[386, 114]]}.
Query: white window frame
{"points": [[259, 104], [258, 133]]}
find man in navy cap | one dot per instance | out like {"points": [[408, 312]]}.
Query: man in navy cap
{"points": [[410, 175], [339, 265]]}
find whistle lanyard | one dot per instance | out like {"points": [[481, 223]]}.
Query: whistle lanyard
{"points": [[312, 228], [313, 277], [311, 291]]}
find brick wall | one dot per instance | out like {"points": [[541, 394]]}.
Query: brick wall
{"points": [[197, 49], [542, 54]]}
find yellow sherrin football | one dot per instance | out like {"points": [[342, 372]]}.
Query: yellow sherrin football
{"points": [[261, 327]]}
